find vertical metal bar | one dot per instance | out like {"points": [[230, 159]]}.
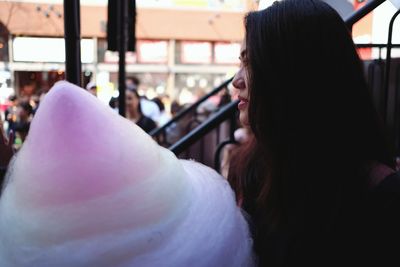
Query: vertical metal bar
{"points": [[231, 140], [11, 61], [72, 35], [375, 82], [388, 61], [122, 46], [371, 77], [202, 142], [397, 110]]}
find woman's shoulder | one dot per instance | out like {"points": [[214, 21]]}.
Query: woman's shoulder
{"points": [[148, 120], [146, 123]]}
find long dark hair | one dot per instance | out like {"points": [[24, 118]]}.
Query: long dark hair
{"points": [[315, 126], [135, 92]]}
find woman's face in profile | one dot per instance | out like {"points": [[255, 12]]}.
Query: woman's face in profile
{"points": [[240, 82]]}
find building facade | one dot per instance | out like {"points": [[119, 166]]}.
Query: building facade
{"points": [[182, 45]]}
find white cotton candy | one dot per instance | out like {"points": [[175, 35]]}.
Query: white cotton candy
{"points": [[89, 188]]}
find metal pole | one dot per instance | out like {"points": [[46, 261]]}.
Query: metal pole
{"points": [[182, 144], [122, 45], [396, 112], [388, 61], [72, 36]]}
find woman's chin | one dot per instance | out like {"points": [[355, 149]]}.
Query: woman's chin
{"points": [[243, 118]]}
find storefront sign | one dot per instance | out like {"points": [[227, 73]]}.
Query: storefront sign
{"points": [[206, 4], [196, 52], [35, 49], [113, 57], [152, 51], [226, 53]]}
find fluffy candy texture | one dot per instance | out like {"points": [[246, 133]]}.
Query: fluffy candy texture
{"points": [[90, 188]]}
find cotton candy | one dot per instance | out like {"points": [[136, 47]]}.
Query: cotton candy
{"points": [[90, 188]]}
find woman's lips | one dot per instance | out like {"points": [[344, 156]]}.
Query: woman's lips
{"points": [[243, 103]]}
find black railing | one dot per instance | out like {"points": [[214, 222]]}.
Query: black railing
{"points": [[394, 127], [161, 131], [378, 75], [377, 45], [362, 12], [226, 112], [388, 61], [229, 110]]}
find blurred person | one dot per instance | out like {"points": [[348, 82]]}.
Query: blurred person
{"points": [[243, 138], [34, 102], [132, 82], [149, 108], [28, 89], [92, 88], [175, 108], [164, 116], [186, 97], [318, 180], [206, 108], [113, 103], [174, 131], [6, 151], [24, 116], [225, 97], [10, 113], [134, 111], [44, 90]]}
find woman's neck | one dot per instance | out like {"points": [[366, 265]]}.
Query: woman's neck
{"points": [[134, 115]]}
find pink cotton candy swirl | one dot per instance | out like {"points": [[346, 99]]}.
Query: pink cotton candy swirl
{"points": [[89, 188]]}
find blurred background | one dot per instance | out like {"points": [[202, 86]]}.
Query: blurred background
{"points": [[184, 48]]}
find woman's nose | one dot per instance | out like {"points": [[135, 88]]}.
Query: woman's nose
{"points": [[239, 81]]}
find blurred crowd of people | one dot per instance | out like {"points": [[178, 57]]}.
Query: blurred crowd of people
{"points": [[148, 114], [18, 116]]}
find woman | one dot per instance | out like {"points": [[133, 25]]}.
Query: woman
{"points": [[318, 178], [21, 126], [134, 111]]}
